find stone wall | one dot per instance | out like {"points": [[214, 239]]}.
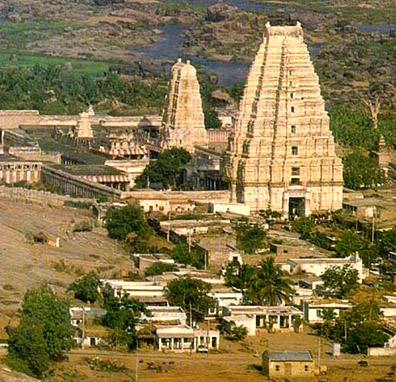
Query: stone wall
{"points": [[74, 185], [32, 196]]}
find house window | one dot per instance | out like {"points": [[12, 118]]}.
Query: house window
{"points": [[291, 95], [292, 109], [295, 171], [306, 368], [294, 150], [293, 129], [295, 181], [277, 368]]}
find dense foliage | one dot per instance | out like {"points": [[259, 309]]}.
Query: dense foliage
{"points": [[354, 128], [159, 268], [356, 329], [361, 171], [239, 276], [231, 331], [54, 90], [339, 281], [86, 288], [303, 225], [165, 170], [44, 333], [386, 241], [349, 242], [182, 254], [249, 237], [124, 221], [121, 316], [191, 295]]}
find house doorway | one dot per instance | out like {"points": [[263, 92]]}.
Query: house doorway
{"points": [[296, 207], [288, 369]]}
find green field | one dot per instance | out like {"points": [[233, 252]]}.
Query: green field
{"points": [[24, 59]]}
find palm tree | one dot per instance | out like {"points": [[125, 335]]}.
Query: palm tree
{"points": [[269, 286]]}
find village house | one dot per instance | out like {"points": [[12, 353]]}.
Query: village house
{"points": [[184, 338], [146, 260], [317, 266], [313, 310], [147, 292], [284, 364], [367, 208], [169, 315], [224, 297], [276, 318], [87, 332]]}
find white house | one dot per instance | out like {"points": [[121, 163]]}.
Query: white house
{"points": [[165, 314], [144, 291], [184, 338], [280, 318], [318, 266], [313, 309]]}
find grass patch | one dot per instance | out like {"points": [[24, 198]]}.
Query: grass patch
{"points": [[9, 59]]}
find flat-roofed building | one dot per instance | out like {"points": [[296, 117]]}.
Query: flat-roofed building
{"points": [[277, 318], [184, 338]]}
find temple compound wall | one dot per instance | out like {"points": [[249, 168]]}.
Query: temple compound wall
{"points": [[282, 155], [183, 123]]}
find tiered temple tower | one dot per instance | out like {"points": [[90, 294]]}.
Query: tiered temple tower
{"points": [[282, 156], [183, 123], [83, 128]]}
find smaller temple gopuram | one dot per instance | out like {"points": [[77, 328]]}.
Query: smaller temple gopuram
{"points": [[183, 122]]}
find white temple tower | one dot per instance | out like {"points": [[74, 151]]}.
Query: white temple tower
{"points": [[282, 156], [183, 123]]}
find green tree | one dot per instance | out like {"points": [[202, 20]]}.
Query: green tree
{"points": [[211, 118], [249, 237], [130, 219], [361, 171], [165, 169], [239, 276], [159, 268], [121, 316], [269, 286], [44, 333], [182, 254], [87, 287], [190, 294], [303, 225], [339, 281], [236, 91], [231, 331], [349, 242], [362, 327], [386, 241]]}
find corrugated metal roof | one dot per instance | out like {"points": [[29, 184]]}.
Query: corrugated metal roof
{"points": [[290, 356]]}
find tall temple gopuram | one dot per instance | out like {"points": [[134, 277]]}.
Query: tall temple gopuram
{"points": [[183, 123], [282, 156]]}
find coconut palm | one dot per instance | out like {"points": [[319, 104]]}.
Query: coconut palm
{"points": [[269, 286]]}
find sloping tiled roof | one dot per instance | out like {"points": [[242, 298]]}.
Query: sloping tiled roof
{"points": [[290, 356]]}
